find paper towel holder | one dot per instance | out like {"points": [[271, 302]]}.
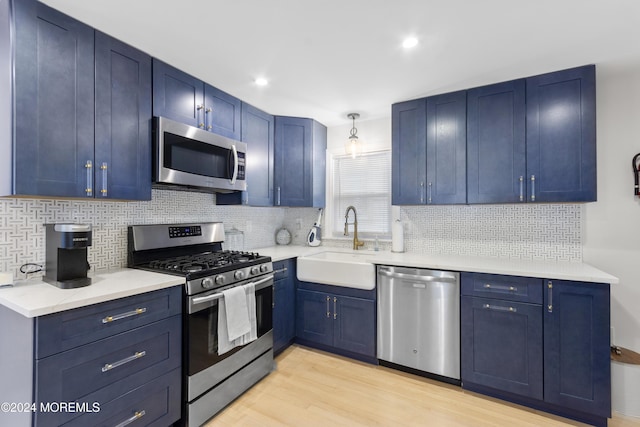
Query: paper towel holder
{"points": [[397, 236]]}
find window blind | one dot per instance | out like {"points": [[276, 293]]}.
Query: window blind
{"points": [[365, 183]]}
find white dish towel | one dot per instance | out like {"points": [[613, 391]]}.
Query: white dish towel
{"points": [[237, 324]]}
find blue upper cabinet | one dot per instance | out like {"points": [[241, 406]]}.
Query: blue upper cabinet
{"points": [[496, 163], [561, 136], [429, 137], [447, 148], [222, 112], [186, 99], [177, 95], [408, 152], [258, 132], [123, 120], [82, 110], [300, 162], [54, 103]]}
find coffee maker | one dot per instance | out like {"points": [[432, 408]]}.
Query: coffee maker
{"points": [[66, 255]]}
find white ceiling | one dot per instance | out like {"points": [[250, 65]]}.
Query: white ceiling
{"points": [[326, 58]]}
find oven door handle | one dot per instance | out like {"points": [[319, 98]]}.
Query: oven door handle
{"points": [[213, 297]]}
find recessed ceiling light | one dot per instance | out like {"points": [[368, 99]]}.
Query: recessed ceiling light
{"points": [[410, 42], [261, 81]]}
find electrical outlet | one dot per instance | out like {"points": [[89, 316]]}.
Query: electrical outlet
{"points": [[298, 223], [248, 226]]}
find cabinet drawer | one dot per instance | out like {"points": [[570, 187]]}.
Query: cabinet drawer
{"points": [[510, 288], [103, 370], [281, 269], [68, 329], [156, 403]]}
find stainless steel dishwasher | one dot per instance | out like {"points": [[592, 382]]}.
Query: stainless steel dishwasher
{"points": [[419, 321]]}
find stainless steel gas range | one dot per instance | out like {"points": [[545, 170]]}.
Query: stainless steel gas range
{"points": [[194, 251]]}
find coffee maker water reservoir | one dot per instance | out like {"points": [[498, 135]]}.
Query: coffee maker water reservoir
{"points": [[66, 255]]}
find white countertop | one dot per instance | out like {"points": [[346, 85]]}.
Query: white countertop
{"points": [[542, 269], [33, 297]]}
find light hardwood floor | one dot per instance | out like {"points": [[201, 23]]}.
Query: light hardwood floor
{"points": [[313, 388]]}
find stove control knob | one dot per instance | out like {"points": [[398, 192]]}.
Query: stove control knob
{"points": [[264, 268], [238, 275], [207, 283], [219, 280], [255, 270]]}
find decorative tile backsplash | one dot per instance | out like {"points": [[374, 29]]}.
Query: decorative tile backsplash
{"points": [[537, 232]]}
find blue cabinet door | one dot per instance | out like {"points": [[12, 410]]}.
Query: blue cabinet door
{"points": [[447, 148], [354, 324], [177, 95], [496, 162], [561, 136], [54, 103], [222, 113], [300, 162], [123, 120], [258, 132], [408, 152], [501, 345], [314, 321], [284, 305], [577, 365]]}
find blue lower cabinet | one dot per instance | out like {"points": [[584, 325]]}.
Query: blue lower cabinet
{"points": [[157, 403], [284, 304], [502, 345], [577, 360], [554, 357], [342, 320]]}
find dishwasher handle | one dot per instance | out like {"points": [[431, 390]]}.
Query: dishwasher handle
{"points": [[418, 277]]}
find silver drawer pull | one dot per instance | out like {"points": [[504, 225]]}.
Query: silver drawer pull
{"points": [[135, 356], [501, 288], [498, 308], [282, 270], [120, 316], [136, 416]]}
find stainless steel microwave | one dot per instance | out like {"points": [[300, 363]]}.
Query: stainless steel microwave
{"points": [[185, 157]]}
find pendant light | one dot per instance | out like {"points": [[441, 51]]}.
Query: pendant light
{"points": [[353, 145]]}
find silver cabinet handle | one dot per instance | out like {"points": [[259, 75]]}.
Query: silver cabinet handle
{"points": [[278, 196], [282, 270], [522, 188], [134, 356], [328, 309], [103, 168], [335, 309], [206, 114], [199, 114], [429, 185], [421, 191], [533, 188], [550, 291], [120, 316], [89, 167], [136, 416], [501, 288], [499, 308], [235, 163]]}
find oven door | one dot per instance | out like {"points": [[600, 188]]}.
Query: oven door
{"points": [[202, 331], [185, 155]]}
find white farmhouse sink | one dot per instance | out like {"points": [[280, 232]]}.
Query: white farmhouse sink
{"points": [[347, 269]]}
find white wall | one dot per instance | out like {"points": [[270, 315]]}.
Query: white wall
{"points": [[611, 233]]}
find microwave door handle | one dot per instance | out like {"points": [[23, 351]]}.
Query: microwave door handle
{"points": [[235, 164]]}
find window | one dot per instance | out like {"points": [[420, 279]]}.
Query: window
{"points": [[365, 183]]}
